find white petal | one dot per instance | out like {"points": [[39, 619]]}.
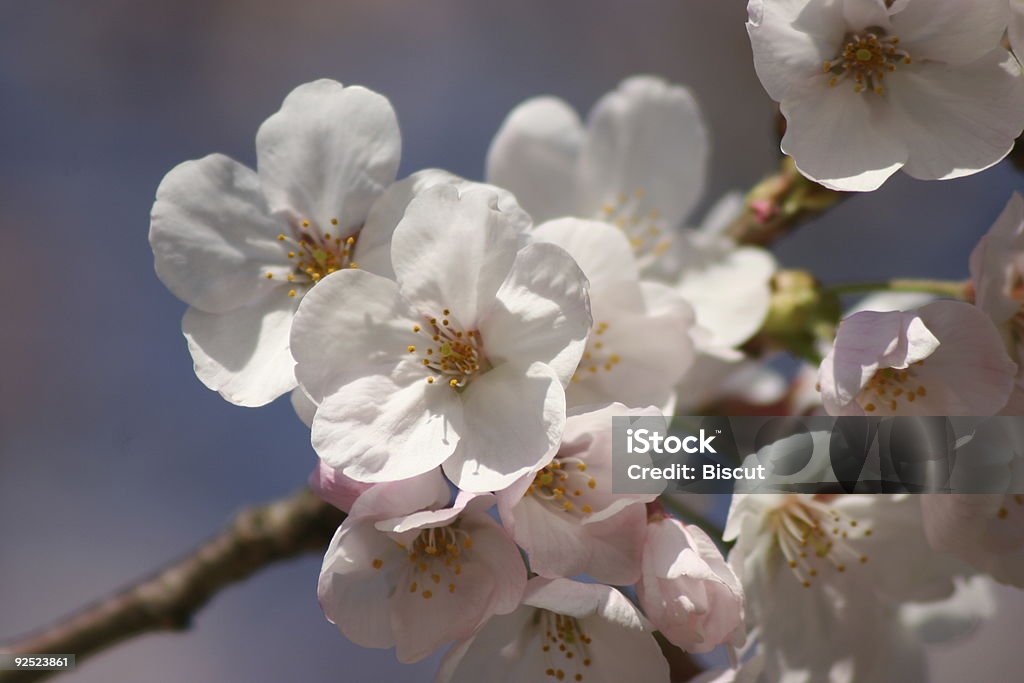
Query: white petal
{"points": [[556, 547], [513, 416], [975, 376], [541, 313], [727, 287], [646, 136], [958, 120], [352, 593], [243, 354], [373, 250], [862, 14], [423, 624], [865, 342], [791, 40], [600, 250], [994, 263], [350, 325], [334, 487], [375, 430], [327, 154], [616, 546], [722, 213], [534, 155], [303, 406], [625, 654], [651, 347], [950, 31], [212, 235], [493, 546], [1017, 27], [495, 653], [840, 138], [452, 250], [405, 497]]}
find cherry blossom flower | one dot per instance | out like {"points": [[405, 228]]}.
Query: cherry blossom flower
{"points": [[639, 163], [945, 358], [462, 361], [418, 581], [825, 578], [241, 248], [728, 286], [565, 516], [639, 347], [688, 591], [869, 87], [997, 279], [985, 530], [373, 250], [563, 631]]}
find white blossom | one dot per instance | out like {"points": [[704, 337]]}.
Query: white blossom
{"points": [[418, 581], [640, 345], [565, 515], [241, 248], [563, 631], [639, 163], [461, 361], [945, 358], [825, 578], [869, 87], [997, 275]]}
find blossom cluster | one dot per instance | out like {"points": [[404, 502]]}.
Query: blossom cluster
{"points": [[458, 349]]}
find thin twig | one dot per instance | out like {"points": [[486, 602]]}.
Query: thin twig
{"points": [[257, 538]]}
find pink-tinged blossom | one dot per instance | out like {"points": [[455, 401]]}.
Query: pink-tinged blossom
{"points": [[997, 279], [418, 581], [687, 589], [871, 87], [564, 631], [243, 247], [945, 358], [984, 530], [460, 361], [565, 515]]}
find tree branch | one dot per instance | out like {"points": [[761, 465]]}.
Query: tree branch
{"points": [[257, 538], [780, 203]]}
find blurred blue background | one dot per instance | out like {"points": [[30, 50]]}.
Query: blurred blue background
{"points": [[114, 459]]}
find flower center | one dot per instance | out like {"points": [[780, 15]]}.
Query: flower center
{"points": [[815, 537], [596, 357], [435, 559], [565, 647], [643, 228], [889, 387], [450, 354], [314, 255], [867, 58], [564, 485]]}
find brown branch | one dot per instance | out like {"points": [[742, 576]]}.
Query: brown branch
{"points": [[257, 538]]}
